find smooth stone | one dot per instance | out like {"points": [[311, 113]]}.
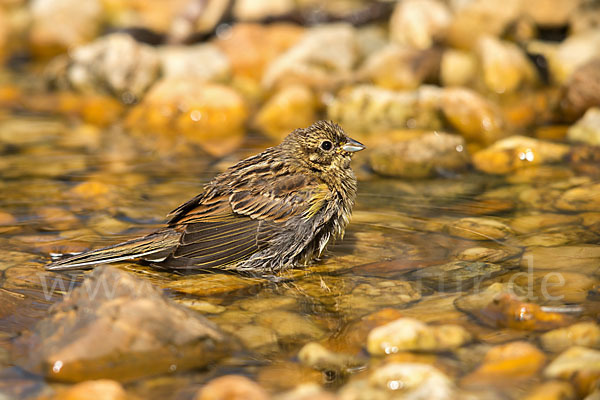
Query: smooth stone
{"points": [[458, 68], [114, 64], [370, 109], [257, 10], [203, 62], [289, 325], [316, 356], [255, 337], [268, 303], [322, 59], [408, 334], [424, 156], [551, 390], [117, 326], [410, 381], [209, 284], [550, 286], [203, 307], [380, 293], [250, 47], [232, 387], [550, 12], [537, 222], [419, 24], [516, 152], [400, 68], [516, 361], [586, 334], [476, 118], [575, 359], [587, 129], [209, 114], [581, 94], [489, 255], [583, 259], [307, 391], [58, 26], [287, 109], [457, 275], [505, 310], [103, 389], [56, 218], [476, 228], [505, 66], [473, 19], [582, 198], [559, 236], [353, 335]]}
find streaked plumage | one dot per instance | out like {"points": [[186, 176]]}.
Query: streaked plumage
{"points": [[267, 213]]}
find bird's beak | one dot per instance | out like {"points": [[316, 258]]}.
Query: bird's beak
{"points": [[352, 146]]}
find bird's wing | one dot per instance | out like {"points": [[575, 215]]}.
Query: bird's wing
{"points": [[232, 224]]}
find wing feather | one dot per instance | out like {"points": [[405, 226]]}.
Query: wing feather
{"points": [[232, 222]]}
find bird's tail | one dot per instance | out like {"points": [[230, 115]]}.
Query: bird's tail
{"points": [[152, 247]]}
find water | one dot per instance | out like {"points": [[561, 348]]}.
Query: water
{"points": [[67, 187]]}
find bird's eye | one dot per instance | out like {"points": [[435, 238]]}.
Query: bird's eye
{"points": [[326, 145]]}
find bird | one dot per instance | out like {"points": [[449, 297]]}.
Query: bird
{"points": [[270, 212]]}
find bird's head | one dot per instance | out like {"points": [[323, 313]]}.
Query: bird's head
{"points": [[323, 147]]}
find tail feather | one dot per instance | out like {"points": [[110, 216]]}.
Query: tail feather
{"points": [[153, 244]]}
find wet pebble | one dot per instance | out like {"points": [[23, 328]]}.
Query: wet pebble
{"points": [[115, 319], [56, 218], [559, 236], [427, 155], [575, 359], [209, 114], [475, 228], [489, 254], [290, 107], [289, 325], [7, 222], [579, 199], [418, 24], [322, 59], [457, 275], [379, 293], [551, 390], [505, 66], [114, 64], [232, 387], [316, 356], [409, 381], [255, 336], [498, 308], [536, 222], [400, 68], [585, 334], [408, 334], [587, 129], [582, 258], [476, 118], [516, 152], [354, 334], [515, 360], [103, 389], [582, 92]]}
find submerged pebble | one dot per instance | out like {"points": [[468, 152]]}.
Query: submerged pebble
{"points": [[406, 334], [457, 275], [515, 360], [585, 334]]}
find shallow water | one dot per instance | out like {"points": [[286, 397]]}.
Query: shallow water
{"points": [[68, 188]]}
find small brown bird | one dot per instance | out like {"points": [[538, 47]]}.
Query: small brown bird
{"points": [[267, 213]]}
